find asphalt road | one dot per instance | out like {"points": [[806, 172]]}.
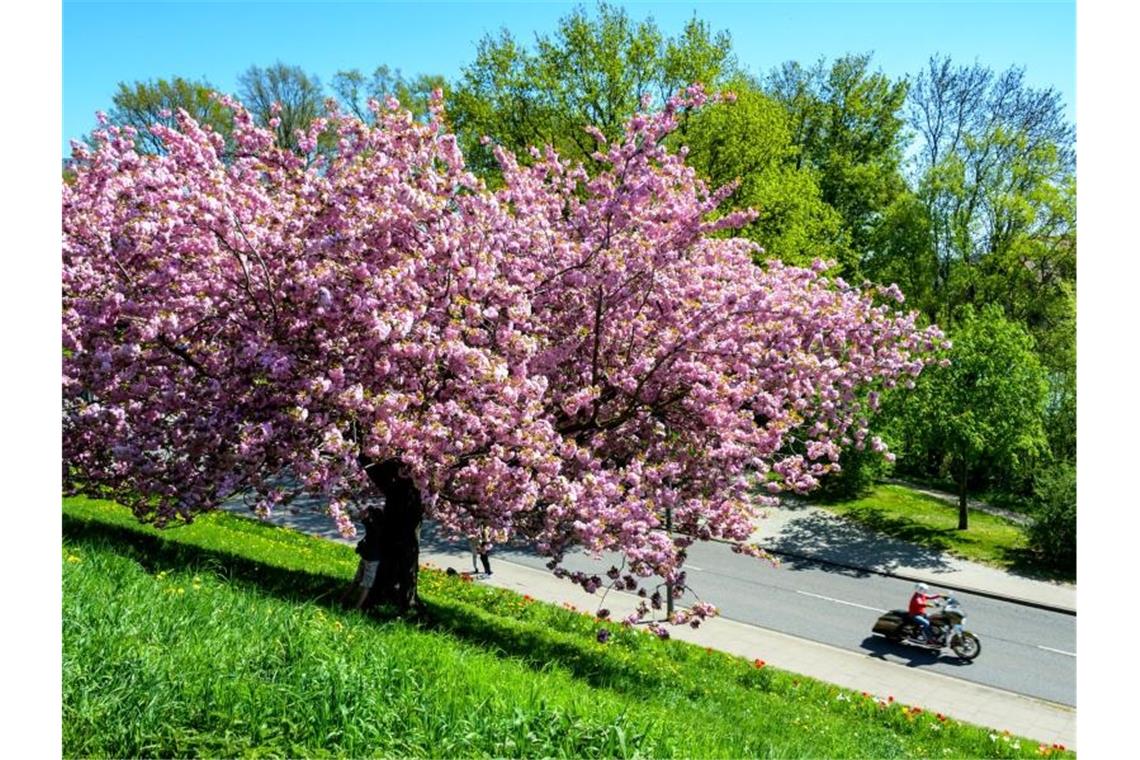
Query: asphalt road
{"points": [[1024, 650]]}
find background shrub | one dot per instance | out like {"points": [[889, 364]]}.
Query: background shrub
{"points": [[1053, 532]]}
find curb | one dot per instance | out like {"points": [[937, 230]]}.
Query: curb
{"points": [[920, 579]]}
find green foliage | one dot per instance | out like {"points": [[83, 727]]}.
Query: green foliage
{"points": [[182, 643], [749, 140], [860, 470], [1053, 532], [1003, 233], [993, 215], [990, 219], [143, 104], [593, 71], [984, 413], [847, 125], [901, 252], [354, 90], [298, 94], [1061, 413]]}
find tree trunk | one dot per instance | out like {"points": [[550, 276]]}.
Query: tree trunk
{"points": [[397, 529], [963, 516]]}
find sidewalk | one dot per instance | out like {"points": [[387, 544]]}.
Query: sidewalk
{"points": [[963, 700], [798, 531], [969, 702]]}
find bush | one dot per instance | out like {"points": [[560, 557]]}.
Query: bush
{"points": [[1053, 532], [860, 470]]}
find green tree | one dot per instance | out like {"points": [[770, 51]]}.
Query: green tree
{"points": [[142, 104], [594, 70], [986, 409], [847, 123], [990, 217], [288, 88], [353, 89], [993, 170], [749, 140]]}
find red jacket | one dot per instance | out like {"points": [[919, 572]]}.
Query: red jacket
{"points": [[919, 601]]}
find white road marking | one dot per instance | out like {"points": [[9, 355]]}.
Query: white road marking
{"points": [[840, 601], [694, 567], [1058, 651]]}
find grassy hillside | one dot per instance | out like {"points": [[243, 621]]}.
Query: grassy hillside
{"points": [[220, 639], [907, 514]]}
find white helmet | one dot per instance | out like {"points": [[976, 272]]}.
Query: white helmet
{"points": [[921, 587]]}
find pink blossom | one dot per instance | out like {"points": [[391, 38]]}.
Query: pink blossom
{"points": [[558, 360]]}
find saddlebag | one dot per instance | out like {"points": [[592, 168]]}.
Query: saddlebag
{"points": [[889, 622]]}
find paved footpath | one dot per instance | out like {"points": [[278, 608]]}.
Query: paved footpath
{"points": [[969, 702]]}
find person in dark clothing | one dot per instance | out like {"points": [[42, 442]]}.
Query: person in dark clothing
{"points": [[369, 550], [479, 552], [398, 533]]}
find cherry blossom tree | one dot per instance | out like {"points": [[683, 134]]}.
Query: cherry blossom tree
{"points": [[572, 360]]}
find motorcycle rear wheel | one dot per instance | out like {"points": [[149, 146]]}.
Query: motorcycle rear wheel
{"points": [[966, 645]]}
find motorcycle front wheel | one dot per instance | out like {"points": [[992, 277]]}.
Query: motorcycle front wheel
{"points": [[966, 645]]}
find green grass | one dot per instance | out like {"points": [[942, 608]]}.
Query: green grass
{"points": [[218, 639], [924, 520]]}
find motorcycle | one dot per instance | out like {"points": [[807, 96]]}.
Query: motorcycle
{"points": [[946, 630]]}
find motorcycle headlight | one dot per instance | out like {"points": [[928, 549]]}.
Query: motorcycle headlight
{"points": [[962, 621]]}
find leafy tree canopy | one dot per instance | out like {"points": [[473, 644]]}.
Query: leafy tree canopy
{"points": [[593, 71], [573, 359], [984, 411], [282, 98], [747, 139], [847, 125], [142, 104]]}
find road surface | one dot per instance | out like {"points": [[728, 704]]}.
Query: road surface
{"points": [[1025, 650]]}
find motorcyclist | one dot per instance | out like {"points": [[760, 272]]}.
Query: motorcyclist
{"points": [[917, 608]]}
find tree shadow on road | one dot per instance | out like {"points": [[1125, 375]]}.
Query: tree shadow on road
{"points": [[819, 536], [885, 543]]}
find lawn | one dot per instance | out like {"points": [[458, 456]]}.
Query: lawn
{"points": [[219, 639], [900, 512]]}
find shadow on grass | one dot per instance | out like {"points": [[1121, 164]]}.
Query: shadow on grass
{"points": [[907, 530], [535, 644]]}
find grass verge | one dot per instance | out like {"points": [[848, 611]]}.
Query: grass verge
{"points": [[903, 513], [218, 639]]}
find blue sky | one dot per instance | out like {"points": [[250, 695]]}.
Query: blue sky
{"points": [[106, 43]]}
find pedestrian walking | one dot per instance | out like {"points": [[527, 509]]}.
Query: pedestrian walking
{"points": [[480, 552]]}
